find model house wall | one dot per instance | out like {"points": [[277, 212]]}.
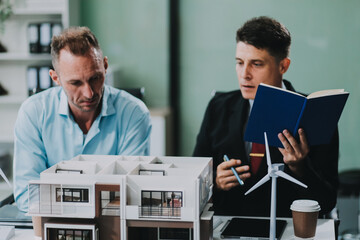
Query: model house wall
{"points": [[124, 197]]}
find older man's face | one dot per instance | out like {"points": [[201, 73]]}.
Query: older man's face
{"points": [[82, 78]]}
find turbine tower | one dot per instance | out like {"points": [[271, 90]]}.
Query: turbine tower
{"points": [[274, 170]]}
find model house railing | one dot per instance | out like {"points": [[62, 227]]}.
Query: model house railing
{"points": [[159, 212]]}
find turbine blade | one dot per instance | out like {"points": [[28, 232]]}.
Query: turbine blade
{"points": [[290, 178], [4, 177], [268, 159], [259, 183]]}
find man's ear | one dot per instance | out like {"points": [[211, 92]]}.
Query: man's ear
{"points": [[106, 64], [284, 65], [54, 77]]}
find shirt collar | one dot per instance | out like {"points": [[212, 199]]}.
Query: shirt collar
{"points": [[63, 104], [107, 107]]}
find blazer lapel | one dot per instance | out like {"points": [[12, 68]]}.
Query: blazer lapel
{"points": [[239, 112]]}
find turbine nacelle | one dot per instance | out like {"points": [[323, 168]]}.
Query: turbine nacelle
{"points": [[274, 170]]}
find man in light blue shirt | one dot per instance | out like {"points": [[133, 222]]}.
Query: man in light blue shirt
{"points": [[80, 116]]}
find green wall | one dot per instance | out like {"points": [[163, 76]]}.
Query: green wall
{"points": [[134, 36], [324, 52]]}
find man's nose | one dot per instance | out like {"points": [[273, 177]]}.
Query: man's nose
{"points": [[88, 91], [245, 71]]}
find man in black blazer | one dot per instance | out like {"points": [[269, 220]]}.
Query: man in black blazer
{"points": [[262, 51]]}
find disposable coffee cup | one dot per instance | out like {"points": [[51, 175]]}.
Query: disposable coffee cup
{"points": [[305, 214]]}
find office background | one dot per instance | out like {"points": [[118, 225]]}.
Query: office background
{"points": [[182, 50]]}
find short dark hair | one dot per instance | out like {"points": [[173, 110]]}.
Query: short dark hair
{"points": [[266, 33], [79, 40]]}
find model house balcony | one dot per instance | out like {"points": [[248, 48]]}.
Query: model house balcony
{"points": [[160, 212], [161, 204]]}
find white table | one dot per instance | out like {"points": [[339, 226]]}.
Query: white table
{"points": [[23, 234], [325, 228]]}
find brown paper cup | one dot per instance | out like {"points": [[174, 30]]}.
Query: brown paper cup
{"points": [[305, 214]]}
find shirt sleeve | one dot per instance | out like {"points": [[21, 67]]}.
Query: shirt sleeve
{"points": [[29, 153], [137, 133]]}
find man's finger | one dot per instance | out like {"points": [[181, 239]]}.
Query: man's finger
{"points": [[302, 135], [292, 141], [229, 164], [284, 142]]}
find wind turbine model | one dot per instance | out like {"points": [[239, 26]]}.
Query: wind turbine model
{"points": [[4, 177], [274, 170]]}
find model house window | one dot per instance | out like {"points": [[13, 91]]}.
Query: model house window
{"points": [[152, 172], [71, 234], [175, 233], [72, 194], [68, 171], [110, 203], [161, 203]]}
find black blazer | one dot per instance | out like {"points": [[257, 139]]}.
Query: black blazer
{"points": [[222, 132]]}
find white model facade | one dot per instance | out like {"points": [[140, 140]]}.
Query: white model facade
{"points": [[124, 197]]}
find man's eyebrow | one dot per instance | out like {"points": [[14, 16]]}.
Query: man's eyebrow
{"points": [[95, 75], [257, 60], [74, 80], [252, 60]]}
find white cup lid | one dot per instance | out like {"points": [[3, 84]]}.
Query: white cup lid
{"points": [[304, 205]]}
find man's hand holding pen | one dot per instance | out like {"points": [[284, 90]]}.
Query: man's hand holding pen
{"points": [[225, 177]]}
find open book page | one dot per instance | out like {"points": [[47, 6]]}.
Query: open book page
{"points": [[282, 89], [323, 93]]}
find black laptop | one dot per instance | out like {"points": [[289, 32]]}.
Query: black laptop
{"points": [[252, 228]]}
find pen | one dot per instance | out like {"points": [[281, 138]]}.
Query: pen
{"points": [[234, 171]]}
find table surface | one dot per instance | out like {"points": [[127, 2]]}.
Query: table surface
{"points": [[325, 230]]}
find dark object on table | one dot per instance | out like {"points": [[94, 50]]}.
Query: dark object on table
{"points": [[2, 48], [3, 91], [252, 228]]}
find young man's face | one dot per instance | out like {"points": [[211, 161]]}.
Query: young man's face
{"points": [[82, 78], [255, 66]]}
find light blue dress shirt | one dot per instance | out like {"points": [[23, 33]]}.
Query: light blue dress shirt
{"points": [[46, 133]]}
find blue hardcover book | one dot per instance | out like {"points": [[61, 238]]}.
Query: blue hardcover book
{"points": [[276, 109]]}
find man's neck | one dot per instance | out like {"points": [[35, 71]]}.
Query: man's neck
{"points": [[85, 119]]}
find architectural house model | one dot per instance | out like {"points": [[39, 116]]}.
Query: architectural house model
{"points": [[124, 197]]}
